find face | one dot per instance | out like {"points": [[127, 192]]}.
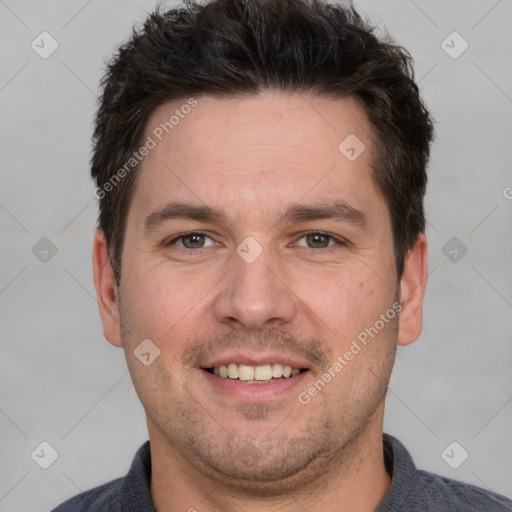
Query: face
{"points": [[254, 248]]}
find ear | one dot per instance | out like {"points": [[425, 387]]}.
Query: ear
{"points": [[106, 290], [412, 290]]}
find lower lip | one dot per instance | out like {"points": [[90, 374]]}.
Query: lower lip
{"points": [[254, 392]]}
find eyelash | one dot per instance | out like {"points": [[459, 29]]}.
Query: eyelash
{"points": [[339, 241]]}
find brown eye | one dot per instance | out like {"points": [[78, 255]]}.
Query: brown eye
{"points": [[318, 240], [194, 241]]}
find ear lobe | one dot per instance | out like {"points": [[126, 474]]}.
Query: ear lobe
{"points": [[412, 290], [106, 290]]}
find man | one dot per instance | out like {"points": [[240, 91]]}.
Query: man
{"points": [[260, 170]]}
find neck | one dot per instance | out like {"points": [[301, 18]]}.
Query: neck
{"points": [[353, 479]]}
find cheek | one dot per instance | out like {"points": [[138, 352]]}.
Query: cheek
{"points": [[162, 304], [345, 300]]}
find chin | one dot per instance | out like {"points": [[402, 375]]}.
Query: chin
{"points": [[264, 469]]}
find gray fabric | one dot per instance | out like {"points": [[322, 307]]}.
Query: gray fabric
{"points": [[412, 490], [415, 490]]}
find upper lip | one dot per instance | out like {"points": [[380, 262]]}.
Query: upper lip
{"points": [[257, 360]]}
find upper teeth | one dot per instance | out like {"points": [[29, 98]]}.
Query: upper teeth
{"points": [[264, 372]]}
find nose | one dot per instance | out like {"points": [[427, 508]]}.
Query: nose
{"points": [[255, 295]]}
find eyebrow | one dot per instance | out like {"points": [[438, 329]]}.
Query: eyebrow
{"points": [[337, 210], [182, 211]]}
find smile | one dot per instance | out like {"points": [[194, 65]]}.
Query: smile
{"points": [[254, 374]]}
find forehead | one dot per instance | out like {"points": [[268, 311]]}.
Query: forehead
{"points": [[258, 153]]}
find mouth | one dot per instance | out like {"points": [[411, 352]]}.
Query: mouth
{"points": [[255, 380], [249, 374]]}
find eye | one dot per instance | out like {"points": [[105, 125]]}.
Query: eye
{"points": [[192, 240], [319, 240]]}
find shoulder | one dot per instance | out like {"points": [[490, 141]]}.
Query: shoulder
{"points": [[414, 490], [131, 492], [102, 498], [459, 496]]}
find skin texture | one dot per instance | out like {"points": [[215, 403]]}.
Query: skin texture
{"points": [[304, 298]]}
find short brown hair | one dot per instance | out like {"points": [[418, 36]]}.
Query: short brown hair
{"points": [[232, 47]]}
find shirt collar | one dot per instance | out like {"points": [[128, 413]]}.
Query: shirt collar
{"points": [[403, 472], [135, 494]]}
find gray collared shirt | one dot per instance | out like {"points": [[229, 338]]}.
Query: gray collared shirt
{"points": [[412, 490]]}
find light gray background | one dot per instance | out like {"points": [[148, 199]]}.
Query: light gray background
{"points": [[64, 384]]}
